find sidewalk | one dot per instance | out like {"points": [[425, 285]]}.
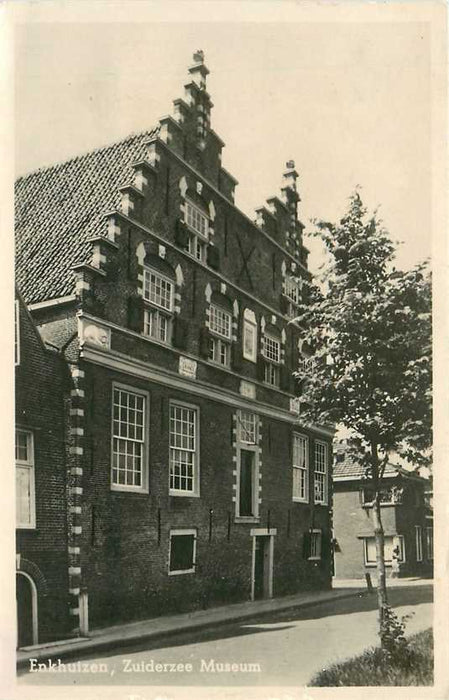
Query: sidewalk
{"points": [[171, 625], [391, 582]]}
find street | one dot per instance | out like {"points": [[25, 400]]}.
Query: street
{"points": [[285, 649]]}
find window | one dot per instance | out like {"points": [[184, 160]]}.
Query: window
{"points": [[418, 539], [320, 472], [182, 552], [429, 542], [293, 294], [300, 468], [219, 344], [25, 495], [315, 544], [16, 333], [158, 291], [247, 427], [389, 496], [292, 289], [247, 502], [271, 375], [129, 424], [183, 450], [198, 223], [305, 365], [272, 349], [389, 544], [272, 353], [249, 336]]}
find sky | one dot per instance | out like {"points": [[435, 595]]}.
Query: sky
{"points": [[349, 102]]}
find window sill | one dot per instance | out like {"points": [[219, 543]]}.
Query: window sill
{"points": [[26, 528], [247, 519], [214, 363], [184, 494], [179, 573], [129, 489], [300, 500], [313, 558]]}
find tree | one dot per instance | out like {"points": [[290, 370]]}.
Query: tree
{"points": [[368, 327]]}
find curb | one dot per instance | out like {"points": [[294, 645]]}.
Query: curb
{"points": [[80, 649]]}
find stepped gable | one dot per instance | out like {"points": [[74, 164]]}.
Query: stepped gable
{"points": [[58, 208]]}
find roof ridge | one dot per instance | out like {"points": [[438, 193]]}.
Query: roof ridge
{"points": [[80, 156]]}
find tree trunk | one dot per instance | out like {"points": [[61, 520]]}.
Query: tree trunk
{"points": [[382, 600]]}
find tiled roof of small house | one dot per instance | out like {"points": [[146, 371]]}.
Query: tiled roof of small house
{"points": [[58, 208], [348, 468]]}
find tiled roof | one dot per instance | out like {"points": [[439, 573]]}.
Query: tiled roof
{"points": [[348, 468], [60, 207]]}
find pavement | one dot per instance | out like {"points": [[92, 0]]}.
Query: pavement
{"points": [[106, 638]]}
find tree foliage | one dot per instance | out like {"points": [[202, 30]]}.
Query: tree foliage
{"points": [[369, 328]]}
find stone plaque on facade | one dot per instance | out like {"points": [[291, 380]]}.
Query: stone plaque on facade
{"points": [[187, 367], [295, 406], [247, 389]]}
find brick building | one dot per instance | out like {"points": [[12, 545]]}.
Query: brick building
{"points": [[190, 478], [41, 516], [406, 519]]}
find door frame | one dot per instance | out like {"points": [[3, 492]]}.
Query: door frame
{"points": [[270, 534], [34, 609]]}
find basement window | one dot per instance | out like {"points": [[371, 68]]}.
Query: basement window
{"points": [[182, 552]]}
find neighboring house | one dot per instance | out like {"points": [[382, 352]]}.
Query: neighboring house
{"points": [[42, 574], [191, 479], [404, 517]]}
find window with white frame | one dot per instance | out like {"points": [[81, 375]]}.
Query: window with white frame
{"points": [[305, 365], [247, 427], [16, 333], [183, 450], [249, 335], [129, 436], [272, 353], [220, 325], [300, 468], [429, 543], [418, 540], [182, 554], [247, 501], [272, 350], [320, 476], [315, 544], [389, 544], [198, 223], [25, 493], [388, 496], [292, 289], [158, 292]]}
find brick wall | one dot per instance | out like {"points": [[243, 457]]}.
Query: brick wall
{"points": [[125, 541], [40, 381], [352, 520]]}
